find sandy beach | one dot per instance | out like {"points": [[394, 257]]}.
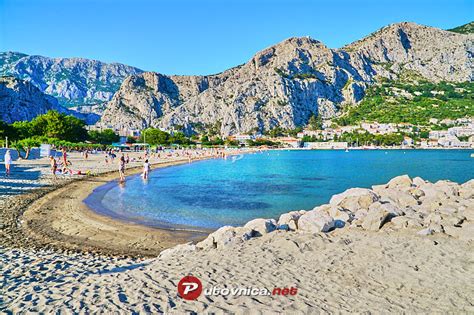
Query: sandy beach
{"points": [[48, 212], [58, 255]]}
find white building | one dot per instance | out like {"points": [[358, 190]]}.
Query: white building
{"points": [[453, 142], [438, 134], [242, 138], [326, 145], [464, 131], [407, 141], [376, 128]]}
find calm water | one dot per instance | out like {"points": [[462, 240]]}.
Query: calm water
{"points": [[213, 193]]}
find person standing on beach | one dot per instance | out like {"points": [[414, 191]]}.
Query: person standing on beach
{"points": [[54, 166], [146, 169], [8, 162], [122, 168], [64, 158]]}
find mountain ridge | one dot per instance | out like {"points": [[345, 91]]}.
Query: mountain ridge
{"points": [[73, 81], [284, 84], [281, 85]]}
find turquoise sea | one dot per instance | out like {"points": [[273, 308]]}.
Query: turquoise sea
{"points": [[212, 193]]}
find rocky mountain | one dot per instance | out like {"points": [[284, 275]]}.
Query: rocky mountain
{"points": [[21, 100], [285, 84], [73, 81]]}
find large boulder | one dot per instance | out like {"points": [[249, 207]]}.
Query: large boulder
{"points": [[399, 197], [400, 182], [354, 199], [418, 181], [377, 215], [400, 222], [439, 191], [261, 226], [315, 221], [466, 190], [289, 221], [225, 236], [341, 216]]}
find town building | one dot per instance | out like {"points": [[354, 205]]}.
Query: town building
{"points": [[326, 145]]}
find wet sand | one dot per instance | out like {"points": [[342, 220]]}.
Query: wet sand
{"points": [[61, 219], [55, 216]]}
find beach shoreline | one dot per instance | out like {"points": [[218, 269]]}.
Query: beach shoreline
{"points": [[56, 217]]}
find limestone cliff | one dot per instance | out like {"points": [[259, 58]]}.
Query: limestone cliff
{"points": [[285, 84], [20, 100]]}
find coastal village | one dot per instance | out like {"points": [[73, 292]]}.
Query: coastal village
{"points": [[459, 134], [443, 134]]}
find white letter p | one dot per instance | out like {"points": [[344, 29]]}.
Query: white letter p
{"points": [[190, 286]]}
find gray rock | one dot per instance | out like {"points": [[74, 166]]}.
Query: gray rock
{"points": [[376, 218], [400, 222], [425, 232], [467, 190], [289, 221], [399, 197], [418, 181], [354, 199], [225, 236], [315, 221], [403, 181], [261, 226]]}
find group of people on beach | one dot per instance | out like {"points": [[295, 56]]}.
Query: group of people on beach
{"points": [[64, 163], [61, 165]]}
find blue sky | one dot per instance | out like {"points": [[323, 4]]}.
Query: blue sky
{"points": [[201, 37]]}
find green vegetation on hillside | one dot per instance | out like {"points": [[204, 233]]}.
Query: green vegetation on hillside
{"points": [[464, 29], [414, 102]]}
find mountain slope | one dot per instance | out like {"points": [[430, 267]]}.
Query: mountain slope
{"points": [[73, 81], [285, 84], [467, 28], [20, 100]]}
